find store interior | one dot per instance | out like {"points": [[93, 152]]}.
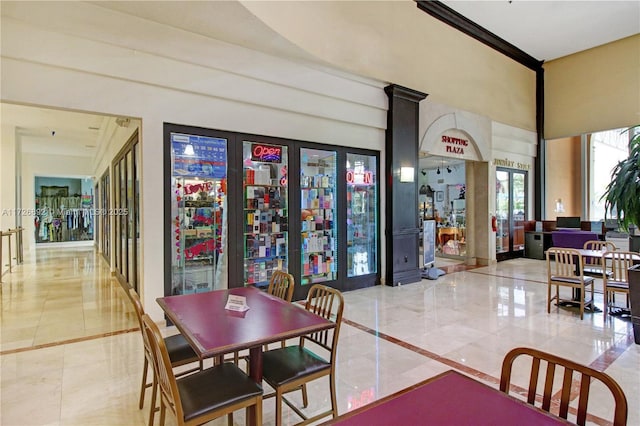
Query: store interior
{"points": [[441, 198]]}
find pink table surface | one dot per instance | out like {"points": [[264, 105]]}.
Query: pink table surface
{"points": [[213, 330], [449, 398]]}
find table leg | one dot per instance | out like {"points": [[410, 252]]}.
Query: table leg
{"points": [[255, 372]]}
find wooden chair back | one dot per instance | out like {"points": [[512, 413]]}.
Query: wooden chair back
{"points": [[137, 307], [328, 303], [567, 368], [619, 264], [281, 285], [598, 245], [164, 373], [567, 263]]}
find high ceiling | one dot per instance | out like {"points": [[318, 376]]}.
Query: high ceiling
{"points": [[548, 30], [544, 29]]}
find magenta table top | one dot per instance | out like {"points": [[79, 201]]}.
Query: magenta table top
{"points": [[450, 398], [213, 330]]}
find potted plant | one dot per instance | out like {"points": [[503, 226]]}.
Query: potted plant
{"points": [[622, 195]]}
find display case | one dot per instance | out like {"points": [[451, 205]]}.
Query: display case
{"points": [[198, 187], [362, 237], [266, 213], [318, 213]]}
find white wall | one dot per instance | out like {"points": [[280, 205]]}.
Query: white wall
{"points": [[83, 57]]}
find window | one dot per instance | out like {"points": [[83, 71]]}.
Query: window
{"points": [[607, 148]]}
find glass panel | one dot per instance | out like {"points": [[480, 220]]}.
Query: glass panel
{"points": [[607, 149], [502, 211], [123, 219], [199, 224], [318, 204], [362, 236], [131, 278], [116, 218], [266, 213], [136, 207], [104, 218], [519, 210]]}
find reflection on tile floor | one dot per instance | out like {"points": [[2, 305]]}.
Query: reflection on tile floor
{"points": [[71, 353]]}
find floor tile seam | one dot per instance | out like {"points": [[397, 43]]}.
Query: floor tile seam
{"points": [[69, 341], [595, 290], [555, 400], [509, 277]]}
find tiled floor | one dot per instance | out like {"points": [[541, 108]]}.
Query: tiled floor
{"points": [[71, 353]]}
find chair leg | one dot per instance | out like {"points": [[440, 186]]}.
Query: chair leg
{"points": [[548, 298], [305, 399], [154, 395], [278, 407], [332, 390], [162, 411], [258, 410], [145, 368], [230, 419]]}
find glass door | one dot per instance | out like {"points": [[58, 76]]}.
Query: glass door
{"points": [[198, 188], [511, 208], [265, 211], [362, 220], [318, 215]]}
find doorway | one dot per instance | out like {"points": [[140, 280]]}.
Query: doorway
{"points": [[511, 212], [442, 198]]}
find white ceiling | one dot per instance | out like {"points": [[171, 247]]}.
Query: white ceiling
{"points": [[549, 30], [51, 131], [544, 29]]}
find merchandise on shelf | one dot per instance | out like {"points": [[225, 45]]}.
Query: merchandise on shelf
{"points": [[266, 217]]}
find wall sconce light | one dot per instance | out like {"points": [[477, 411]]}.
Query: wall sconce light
{"points": [[448, 169], [407, 174], [438, 171], [424, 172]]}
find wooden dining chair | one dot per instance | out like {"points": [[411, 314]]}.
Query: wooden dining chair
{"points": [[593, 266], [618, 279], [179, 350], [281, 285], [204, 395], [567, 269], [569, 387], [290, 368]]}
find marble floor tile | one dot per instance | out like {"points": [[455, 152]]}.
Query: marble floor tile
{"points": [[71, 352]]}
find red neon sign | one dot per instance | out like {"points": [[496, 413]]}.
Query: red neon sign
{"points": [[266, 153], [362, 178]]}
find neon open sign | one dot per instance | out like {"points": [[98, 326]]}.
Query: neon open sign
{"points": [[359, 178], [266, 153]]}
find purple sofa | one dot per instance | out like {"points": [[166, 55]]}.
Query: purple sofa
{"points": [[572, 239]]}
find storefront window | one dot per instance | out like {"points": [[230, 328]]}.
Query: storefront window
{"points": [[362, 237], [318, 214], [266, 211], [198, 188]]}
